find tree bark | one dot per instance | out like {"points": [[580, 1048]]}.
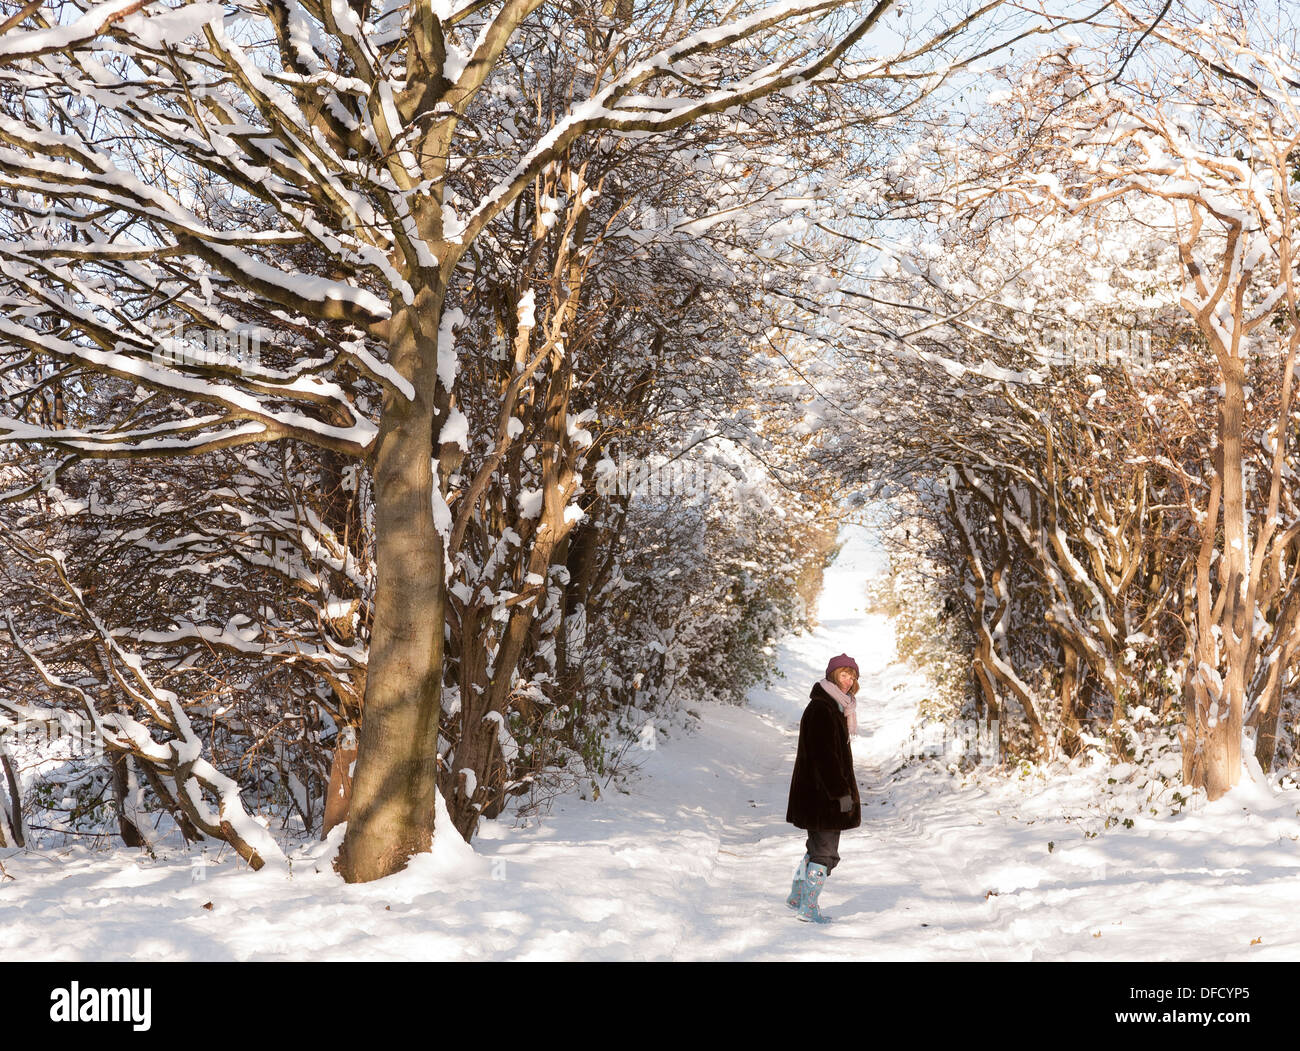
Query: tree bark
{"points": [[13, 821], [338, 796], [1223, 744], [1071, 682], [125, 826], [395, 784]]}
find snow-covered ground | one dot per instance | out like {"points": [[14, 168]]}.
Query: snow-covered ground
{"points": [[695, 860]]}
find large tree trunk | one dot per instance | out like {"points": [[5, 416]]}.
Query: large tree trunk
{"points": [[395, 784], [1212, 741], [1223, 767]]}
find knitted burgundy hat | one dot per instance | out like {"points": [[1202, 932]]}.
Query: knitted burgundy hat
{"points": [[842, 661]]}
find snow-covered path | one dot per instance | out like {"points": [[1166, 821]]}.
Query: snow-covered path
{"points": [[695, 860]]}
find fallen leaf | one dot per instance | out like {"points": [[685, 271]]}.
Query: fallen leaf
{"points": [[1256, 941], [208, 905]]}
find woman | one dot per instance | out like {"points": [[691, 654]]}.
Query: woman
{"points": [[823, 790]]}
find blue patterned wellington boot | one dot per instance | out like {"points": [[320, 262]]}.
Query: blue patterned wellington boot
{"points": [[800, 882], [808, 910]]}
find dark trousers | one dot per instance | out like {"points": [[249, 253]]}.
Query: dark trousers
{"points": [[824, 847]]}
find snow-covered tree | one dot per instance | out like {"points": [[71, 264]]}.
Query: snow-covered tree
{"points": [[312, 177], [1115, 532], [1210, 132]]}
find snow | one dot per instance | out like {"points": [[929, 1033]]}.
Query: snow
{"points": [[362, 431], [530, 503], [57, 37], [171, 27], [448, 362], [456, 430], [528, 309], [693, 859]]}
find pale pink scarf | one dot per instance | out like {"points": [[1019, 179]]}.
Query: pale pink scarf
{"points": [[847, 702]]}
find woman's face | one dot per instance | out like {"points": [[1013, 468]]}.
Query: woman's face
{"points": [[845, 679]]}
